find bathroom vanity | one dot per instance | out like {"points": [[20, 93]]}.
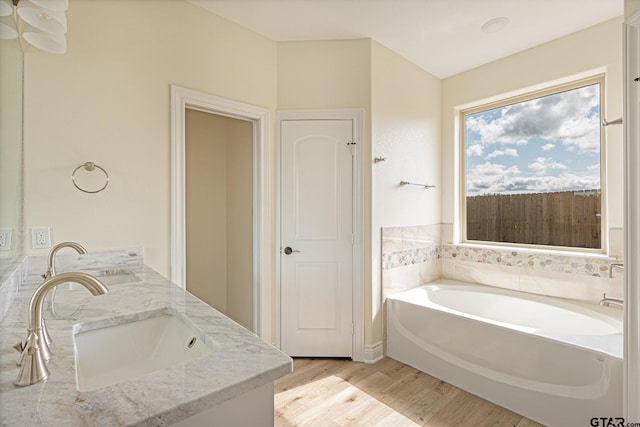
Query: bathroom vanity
{"points": [[228, 381]]}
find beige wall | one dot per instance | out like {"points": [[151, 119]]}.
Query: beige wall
{"points": [[219, 202], [206, 207], [108, 101], [333, 74], [324, 74], [240, 222], [11, 144], [405, 110], [631, 7], [595, 49]]}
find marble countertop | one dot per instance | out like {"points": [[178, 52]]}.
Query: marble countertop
{"points": [[240, 362]]}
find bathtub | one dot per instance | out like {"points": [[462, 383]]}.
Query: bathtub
{"points": [[554, 361]]}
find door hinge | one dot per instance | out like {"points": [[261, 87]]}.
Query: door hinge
{"points": [[353, 239], [352, 328]]}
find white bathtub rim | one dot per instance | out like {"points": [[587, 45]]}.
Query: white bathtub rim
{"points": [[610, 344], [603, 324]]}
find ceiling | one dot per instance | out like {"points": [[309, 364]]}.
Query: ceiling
{"points": [[443, 37]]}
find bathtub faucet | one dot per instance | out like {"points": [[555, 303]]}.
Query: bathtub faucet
{"points": [[613, 264], [607, 301]]}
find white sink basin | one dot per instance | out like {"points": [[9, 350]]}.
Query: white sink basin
{"points": [[109, 354], [108, 278], [116, 277]]}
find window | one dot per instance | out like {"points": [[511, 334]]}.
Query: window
{"points": [[532, 169]]}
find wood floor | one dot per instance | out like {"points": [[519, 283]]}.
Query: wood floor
{"points": [[328, 392]]}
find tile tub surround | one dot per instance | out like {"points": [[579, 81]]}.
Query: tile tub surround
{"points": [[571, 264], [583, 278], [410, 257], [240, 363], [414, 255]]}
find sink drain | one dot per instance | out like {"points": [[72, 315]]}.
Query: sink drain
{"points": [[192, 342]]}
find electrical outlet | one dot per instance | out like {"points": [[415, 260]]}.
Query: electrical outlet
{"points": [[5, 239], [40, 238]]}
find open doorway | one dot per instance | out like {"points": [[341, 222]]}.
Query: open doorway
{"points": [[219, 203], [183, 100]]}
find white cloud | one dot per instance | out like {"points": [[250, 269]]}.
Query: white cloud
{"points": [[506, 152], [543, 164], [568, 118], [492, 178], [474, 150], [567, 123], [486, 177], [488, 168], [580, 134], [564, 182]]}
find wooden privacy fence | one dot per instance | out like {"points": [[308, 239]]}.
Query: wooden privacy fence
{"points": [[568, 218]]}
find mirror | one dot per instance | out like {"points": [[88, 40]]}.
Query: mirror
{"points": [[11, 67]]}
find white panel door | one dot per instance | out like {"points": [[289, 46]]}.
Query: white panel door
{"points": [[316, 238]]}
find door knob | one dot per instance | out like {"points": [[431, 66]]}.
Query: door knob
{"points": [[289, 251]]}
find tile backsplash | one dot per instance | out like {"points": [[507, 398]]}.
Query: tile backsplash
{"points": [[415, 255]]}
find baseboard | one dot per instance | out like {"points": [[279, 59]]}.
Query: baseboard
{"points": [[373, 353]]}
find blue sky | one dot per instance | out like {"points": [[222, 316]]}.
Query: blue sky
{"points": [[543, 145]]}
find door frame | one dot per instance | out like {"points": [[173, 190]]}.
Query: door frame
{"points": [[631, 360], [181, 99], [356, 115]]}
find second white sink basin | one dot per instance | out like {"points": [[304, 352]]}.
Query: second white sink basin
{"points": [[116, 277], [110, 354], [108, 278]]}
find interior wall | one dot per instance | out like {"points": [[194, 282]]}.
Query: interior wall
{"points": [[111, 98], [405, 109], [596, 49], [631, 7], [11, 148], [330, 75], [240, 222], [219, 203], [206, 207]]}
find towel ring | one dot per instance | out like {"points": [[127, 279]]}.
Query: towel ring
{"points": [[90, 167]]}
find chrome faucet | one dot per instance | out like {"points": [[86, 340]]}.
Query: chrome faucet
{"points": [[51, 271], [607, 301], [613, 264], [33, 350]]}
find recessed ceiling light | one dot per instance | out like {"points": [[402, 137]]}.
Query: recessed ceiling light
{"points": [[494, 25]]}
